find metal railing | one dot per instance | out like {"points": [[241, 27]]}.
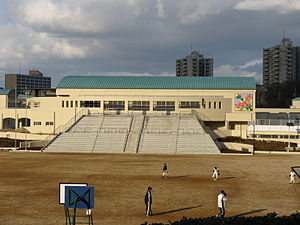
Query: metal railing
{"points": [[280, 122]]}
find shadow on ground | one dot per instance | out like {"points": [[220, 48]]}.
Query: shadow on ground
{"points": [[251, 212], [179, 176], [176, 210]]}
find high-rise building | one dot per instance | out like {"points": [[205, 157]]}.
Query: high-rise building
{"points": [[194, 65], [281, 63], [21, 82]]}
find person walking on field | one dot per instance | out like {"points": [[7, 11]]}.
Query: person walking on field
{"points": [[165, 171], [292, 175], [148, 201], [216, 173], [222, 197]]}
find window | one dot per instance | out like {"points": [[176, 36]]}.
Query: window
{"points": [[49, 123], [209, 105], [189, 105], [37, 123], [89, 104], [63, 104], [71, 104], [163, 106], [215, 105], [37, 104], [220, 105], [139, 105], [76, 104], [114, 105], [67, 104]]}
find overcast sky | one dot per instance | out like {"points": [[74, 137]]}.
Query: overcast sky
{"points": [[140, 37]]}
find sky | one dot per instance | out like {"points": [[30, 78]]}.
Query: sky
{"points": [[141, 37]]}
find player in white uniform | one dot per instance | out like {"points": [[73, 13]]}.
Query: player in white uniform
{"points": [[292, 176], [216, 173], [222, 197], [165, 171]]}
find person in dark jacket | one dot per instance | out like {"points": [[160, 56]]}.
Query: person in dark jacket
{"points": [[148, 201]]}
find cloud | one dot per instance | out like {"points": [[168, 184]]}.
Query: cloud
{"points": [[160, 9], [251, 63], [238, 70], [281, 6]]}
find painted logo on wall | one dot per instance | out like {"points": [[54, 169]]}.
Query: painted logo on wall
{"points": [[243, 102]]}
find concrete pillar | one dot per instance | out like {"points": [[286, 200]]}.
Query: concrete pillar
{"points": [[1, 122]]}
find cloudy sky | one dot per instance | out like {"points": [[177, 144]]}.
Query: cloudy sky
{"points": [[140, 37]]}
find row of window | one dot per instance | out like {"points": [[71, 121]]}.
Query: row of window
{"points": [[143, 105], [37, 123], [276, 136]]}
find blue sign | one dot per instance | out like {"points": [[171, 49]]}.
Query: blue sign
{"points": [[79, 197]]}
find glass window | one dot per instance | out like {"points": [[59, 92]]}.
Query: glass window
{"points": [[67, 104], [114, 105], [139, 105], [189, 105], [220, 105], [71, 104], [89, 104], [63, 104], [163, 106], [76, 104]]}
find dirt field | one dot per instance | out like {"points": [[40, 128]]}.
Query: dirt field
{"points": [[256, 185]]}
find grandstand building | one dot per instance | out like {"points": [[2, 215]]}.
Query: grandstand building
{"points": [[225, 103]]}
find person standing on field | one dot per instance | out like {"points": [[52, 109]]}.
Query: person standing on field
{"points": [[148, 201], [216, 173], [292, 176], [222, 197], [165, 171]]}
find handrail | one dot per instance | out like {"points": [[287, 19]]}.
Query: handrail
{"points": [[63, 128]]}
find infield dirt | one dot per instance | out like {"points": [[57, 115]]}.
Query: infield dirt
{"points": [[256, 185]]}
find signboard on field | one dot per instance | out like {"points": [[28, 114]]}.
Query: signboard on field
{"points": [[79, 197]]}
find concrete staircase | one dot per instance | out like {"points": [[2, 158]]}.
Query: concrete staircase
{"points": [[135, 134]]}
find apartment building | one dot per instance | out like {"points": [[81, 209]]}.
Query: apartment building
{"points": [[21, 82], [281, 63], [194, 65]]}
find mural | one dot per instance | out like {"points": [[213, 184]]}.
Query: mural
{"points": [[243, 102]]}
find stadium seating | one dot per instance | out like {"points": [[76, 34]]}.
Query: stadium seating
{"points": [[136, 134]]}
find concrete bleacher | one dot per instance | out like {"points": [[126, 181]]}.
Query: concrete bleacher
{"points": [[135, 134], [112, 136]]}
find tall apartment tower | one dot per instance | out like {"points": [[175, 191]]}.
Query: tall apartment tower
{"points": [[194, 65], [281, 63], [21, 82]]}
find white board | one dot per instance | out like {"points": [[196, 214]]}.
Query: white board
{"points": [[62, 187]]}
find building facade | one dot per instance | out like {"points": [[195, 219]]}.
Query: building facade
{"points": [[222, 102], [281, 63], [194, 65], [21, 82]]}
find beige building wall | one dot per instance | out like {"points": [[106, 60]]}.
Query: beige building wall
{"points": [[47, 114]]}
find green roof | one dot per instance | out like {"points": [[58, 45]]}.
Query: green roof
{"points": [[5, 91], [25, 96], [296, 99], [157, 82]]}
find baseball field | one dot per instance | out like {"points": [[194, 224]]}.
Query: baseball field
{"points": [[256, 185]]}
